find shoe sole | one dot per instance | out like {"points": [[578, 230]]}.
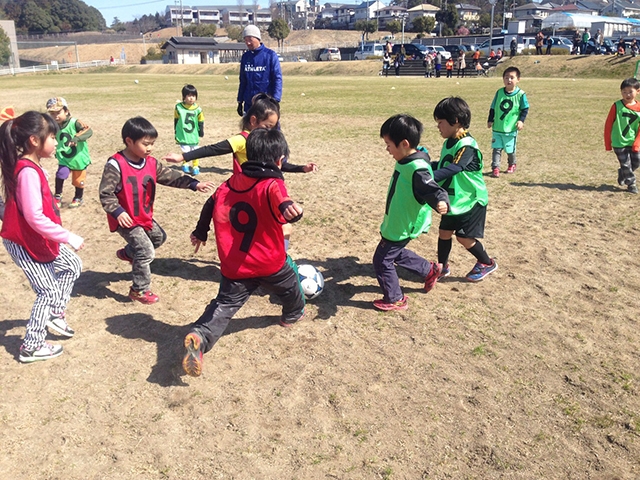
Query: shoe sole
{"points": [[58, 330], [192, 362], [388, 307], [144, 300], [483, 277]]}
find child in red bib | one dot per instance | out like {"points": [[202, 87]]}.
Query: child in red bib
{"points": [[248, 212], [127, 194], [32, 231]]}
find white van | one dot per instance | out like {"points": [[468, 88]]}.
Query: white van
{"points": [[370, 50], [504, 43]]}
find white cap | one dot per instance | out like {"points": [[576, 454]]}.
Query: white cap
{"points": [[252, 31]]}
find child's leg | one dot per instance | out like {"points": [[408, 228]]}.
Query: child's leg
{"points": [[78, 178], [141, 249], [384, 266], [43, 281], [475, 248], [285, 284], [444, 246], [67, 266], [625, 174], [635, 162], [215, 318], [496, 157], [61, 175], [287, 228]]}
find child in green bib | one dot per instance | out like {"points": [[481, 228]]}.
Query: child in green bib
{"points": [[507, 114], [411, 195], [188, 123], [621, 133], [459, 172], [72, 151]]}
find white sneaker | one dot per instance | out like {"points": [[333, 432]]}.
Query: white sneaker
{"points": [[45, 352], [60, 326]]}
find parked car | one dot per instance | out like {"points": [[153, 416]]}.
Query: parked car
{"points": [[434, 49], [369, 50], [455, 50], [329, 54], [607, 48], [470, 47], [560, 42], [411, 49]]}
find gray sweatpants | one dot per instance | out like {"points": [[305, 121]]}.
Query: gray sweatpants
{"points": [[629, 163], [141, 247]]}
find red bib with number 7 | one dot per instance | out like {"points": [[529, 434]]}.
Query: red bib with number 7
{"points": [[248, 226], [138, 191]]}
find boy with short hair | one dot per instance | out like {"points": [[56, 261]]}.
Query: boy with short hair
{"points": [[411, 195], [248, 211], [512, 108], [459, 171], [72, 151], [621, 133], [127, 194], [188, 124]]}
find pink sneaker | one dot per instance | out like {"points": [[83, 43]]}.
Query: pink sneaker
{"points": [[495, 173], [385, 307], [146, 297], [431, 279], [122, 255], [512, 168]]}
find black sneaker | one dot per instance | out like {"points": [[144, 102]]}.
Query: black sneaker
{"points": [[633, 188], [44, 352]]}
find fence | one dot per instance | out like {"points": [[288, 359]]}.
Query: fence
{"points": [[57, 67]]}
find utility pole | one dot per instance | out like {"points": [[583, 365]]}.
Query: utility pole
{"points": [[493, 6]]}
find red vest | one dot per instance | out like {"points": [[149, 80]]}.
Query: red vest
{"points": [[237, 168], [137, 193], [248, 230], [16, 228]]}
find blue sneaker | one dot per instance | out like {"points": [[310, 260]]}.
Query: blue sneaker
{"points": [[185, 168], [195, 171], [445, 272], [480, 270]]}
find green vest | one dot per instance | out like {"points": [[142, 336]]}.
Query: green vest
{"points": [[507, 108], [187, 126], [404, 216], [625, 126], [466, 188], [75, 157]]}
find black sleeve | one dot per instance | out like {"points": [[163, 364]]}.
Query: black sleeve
{"points": [[426, 190], [523, 114], [466, 158], [175, 124], [492, 115], [220, 148], [292, 168], [283, 207], [204, 222], [446, 172], [201, 129]]}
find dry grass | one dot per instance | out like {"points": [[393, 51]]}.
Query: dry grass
{"points": [[533, 373]]}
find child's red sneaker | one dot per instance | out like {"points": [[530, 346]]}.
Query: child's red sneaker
{"points": [[145, 297], [122, 255], [192, 361], [431, 279], [512, 168], [495, 173], [385, 307]]}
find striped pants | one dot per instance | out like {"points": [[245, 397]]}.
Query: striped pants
{"points": [[52, 283]]}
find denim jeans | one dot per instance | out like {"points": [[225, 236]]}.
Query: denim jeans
{"points": [[141, 247]]}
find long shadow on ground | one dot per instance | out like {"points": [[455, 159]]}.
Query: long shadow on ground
{"points": [[571, 186]]}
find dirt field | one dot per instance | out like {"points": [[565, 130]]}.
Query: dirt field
{"points": [[530, 374]]}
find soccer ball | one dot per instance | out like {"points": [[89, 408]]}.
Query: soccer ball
{"points": [[135, 81], [311, 281]]}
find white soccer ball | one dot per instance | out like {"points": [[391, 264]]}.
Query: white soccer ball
{"points": [[226, 77], [135, 81], [311, 281]]}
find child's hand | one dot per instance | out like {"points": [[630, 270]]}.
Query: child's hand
{"points": [[292, 211], [520, 125], [489, 124], [205, 186], [196, 243], [310, 167], [442, 207], [173, 158], [124, 220]]}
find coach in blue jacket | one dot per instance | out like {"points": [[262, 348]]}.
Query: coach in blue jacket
{"points": [[259, 70]]}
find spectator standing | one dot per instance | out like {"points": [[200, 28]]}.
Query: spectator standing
{"points": [[513, 46], [634, 47], [438, 64], [386, 63], [427, 63], [462, 64], [539, 42], [396, 64], [576, 43], [259, 70], [586, 36], [597, 38], [549, 43], [476, 58], [388, 47]]}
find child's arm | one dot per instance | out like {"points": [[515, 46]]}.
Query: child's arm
{"points": [[465, 159], [608, 125], [29, 200], [200, 234], [283, 208], [201, 124], [293, 168], [492, 109], [220, 148], [524, 111], [174, 178], [427, 191], [83, 134], [110, 184]]}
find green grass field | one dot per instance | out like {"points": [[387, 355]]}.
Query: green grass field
{"points": [[532, 373]]}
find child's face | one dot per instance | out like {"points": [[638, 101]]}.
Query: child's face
{"points": [[629, 94], [510, 80], [398, 152], [47, 148], [446, 129], [268, 123], [60, 116], [140, 148], [190, 99]]}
